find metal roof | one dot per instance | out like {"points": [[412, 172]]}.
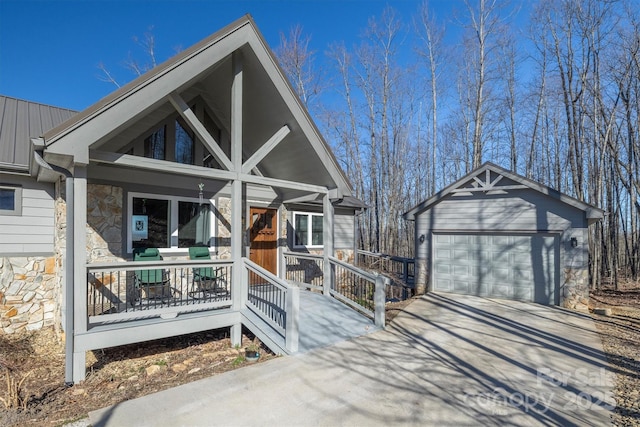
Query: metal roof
{"points": [[19, 122]]}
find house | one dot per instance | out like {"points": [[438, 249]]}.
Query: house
{"points": [[210, 149], [29, 270], [497, 234]]}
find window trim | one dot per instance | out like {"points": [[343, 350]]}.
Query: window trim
{"points": [[309, 238], [17, 200], [173, 219]]}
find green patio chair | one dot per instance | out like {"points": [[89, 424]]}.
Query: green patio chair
{"points": [[151, 283], [207, 279]]}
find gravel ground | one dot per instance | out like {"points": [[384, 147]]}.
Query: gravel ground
{"points": [[620, 334]]}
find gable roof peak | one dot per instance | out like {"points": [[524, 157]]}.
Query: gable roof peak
{"points": [[475, 181]]}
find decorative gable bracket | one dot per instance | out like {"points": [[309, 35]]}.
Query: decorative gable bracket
{"points": [[484, 182]]}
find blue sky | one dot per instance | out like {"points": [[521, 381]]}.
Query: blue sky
{"points": [[49, 50]]}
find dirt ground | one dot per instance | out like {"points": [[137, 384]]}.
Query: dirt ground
{"points": [[34, 362], [620, 334], [32, 366]]}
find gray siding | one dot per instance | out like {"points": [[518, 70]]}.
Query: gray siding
{"points": [[32, 232], [343, 225], [343, 231], [521, 210]]}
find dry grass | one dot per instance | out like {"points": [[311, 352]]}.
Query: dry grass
{"points": [[37, 396]]}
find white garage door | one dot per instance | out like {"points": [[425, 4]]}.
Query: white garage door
{"points": [[521, 267]]}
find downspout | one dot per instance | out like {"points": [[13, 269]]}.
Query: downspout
{"points": [[69, 267]]}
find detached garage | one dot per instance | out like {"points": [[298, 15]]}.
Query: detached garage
{"points": [[497, 234]]}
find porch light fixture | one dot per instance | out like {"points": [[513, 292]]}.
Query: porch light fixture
{"points": [[574, 242], [200, 195], [421, 238]]}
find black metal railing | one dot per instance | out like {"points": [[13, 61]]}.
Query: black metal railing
{"points": [[126, 290], [305, 270]]}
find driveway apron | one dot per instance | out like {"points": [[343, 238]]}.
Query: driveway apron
{"points": [[446, 360]]}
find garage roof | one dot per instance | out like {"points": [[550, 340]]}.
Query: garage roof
{"points": [[488, 178]]}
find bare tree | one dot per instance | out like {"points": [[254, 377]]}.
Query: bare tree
{"points": [[134, 65], [297, 61], [485, 25], [431, 34]]}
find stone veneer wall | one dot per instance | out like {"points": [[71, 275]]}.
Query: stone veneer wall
{"points": [[574, 291], [104, 223], [31, 287], [28, 289], [223, 227]]}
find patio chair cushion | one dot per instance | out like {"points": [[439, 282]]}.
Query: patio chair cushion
{"points": [[199, 252], [150, 276], [146, 254], [202, 253]]}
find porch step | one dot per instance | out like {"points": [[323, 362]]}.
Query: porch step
{"points": [[265, 333]]}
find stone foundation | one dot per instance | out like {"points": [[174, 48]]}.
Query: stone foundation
{"points": [[574, 292], [421, 276], [28, 287]]}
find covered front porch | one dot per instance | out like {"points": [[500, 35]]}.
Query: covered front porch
{"points": [[286, 315], [211, 149]]}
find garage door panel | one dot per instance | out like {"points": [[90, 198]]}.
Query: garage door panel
{"points": [[443, 284], [443, 268], [500, 274], [524, 294], [519, 258], [521, 243], [461, 286], [461, 239], [502, 291], [443, 238], [443, 254], [499, 240], [461, 270], [499, 257], [459, 255], [500, 266]]}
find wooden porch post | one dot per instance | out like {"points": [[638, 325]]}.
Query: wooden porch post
{"points": [[327, 240], [79, 243], [239, 291]]}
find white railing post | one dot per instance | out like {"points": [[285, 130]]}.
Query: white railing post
{"points": [[379, 300], [292, 327]]}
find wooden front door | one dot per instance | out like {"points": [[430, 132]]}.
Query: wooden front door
{"points": [[264, 238]]}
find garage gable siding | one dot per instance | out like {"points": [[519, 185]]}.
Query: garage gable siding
{"points": [[517, 211], [498, 234]]}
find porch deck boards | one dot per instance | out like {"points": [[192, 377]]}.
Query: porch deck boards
{"points": [[325, 321]]}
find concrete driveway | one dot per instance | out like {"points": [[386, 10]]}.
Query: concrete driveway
{"points": [[447, 360]]}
